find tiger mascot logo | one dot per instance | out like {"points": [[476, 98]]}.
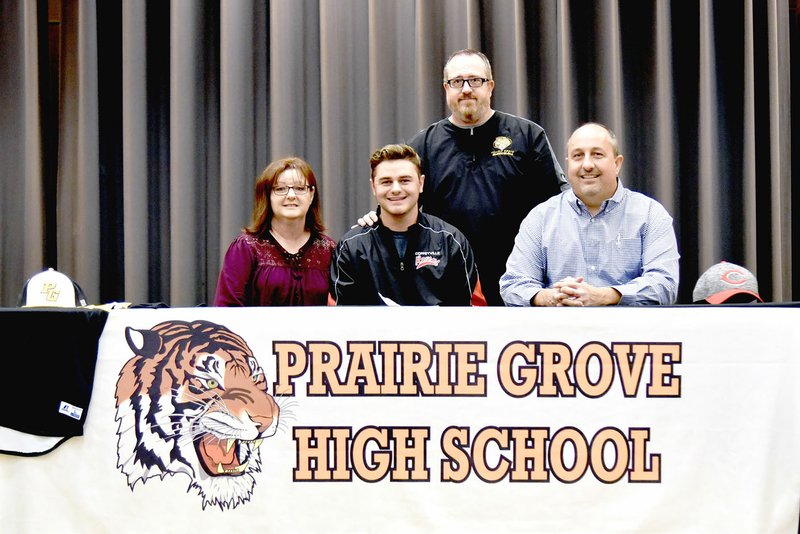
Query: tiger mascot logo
{"points": [[193, 400]]}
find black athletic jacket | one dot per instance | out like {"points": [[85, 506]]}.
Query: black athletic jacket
{"points": [[484, 181], [438, 268]]}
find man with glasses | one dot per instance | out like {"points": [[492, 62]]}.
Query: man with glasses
{"points": [[485, 169]]}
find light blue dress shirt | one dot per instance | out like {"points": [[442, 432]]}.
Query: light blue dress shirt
{"points": [[629, 245]]}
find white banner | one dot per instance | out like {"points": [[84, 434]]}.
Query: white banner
{"points": [[681, 419]]}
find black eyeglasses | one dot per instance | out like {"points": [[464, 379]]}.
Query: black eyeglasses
{"points": [[458, 83], [299, 190]]}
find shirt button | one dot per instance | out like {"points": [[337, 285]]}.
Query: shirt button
{"points": [[592, 267]]}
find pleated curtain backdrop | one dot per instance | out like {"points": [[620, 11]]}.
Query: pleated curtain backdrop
{"points": [[133, 132]]}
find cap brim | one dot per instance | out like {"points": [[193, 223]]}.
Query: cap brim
{"points": [[47, 305], [723, 296]]}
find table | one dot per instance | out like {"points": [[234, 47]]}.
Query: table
{"points": [[668, 419]]}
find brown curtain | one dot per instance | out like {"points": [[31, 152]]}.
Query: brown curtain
{"points": [[139, 176]]}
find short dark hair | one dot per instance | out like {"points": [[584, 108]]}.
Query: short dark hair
{"points": [[393, 152], [468, 52]]}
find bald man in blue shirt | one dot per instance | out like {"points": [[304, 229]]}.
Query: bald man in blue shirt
{"points": [[597, 244]]}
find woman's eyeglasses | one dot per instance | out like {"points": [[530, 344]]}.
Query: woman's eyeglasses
{"points": [[299, 190]]}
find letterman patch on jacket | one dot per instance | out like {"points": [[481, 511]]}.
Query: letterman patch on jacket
{"points": [[500, 145], [424, 259]]}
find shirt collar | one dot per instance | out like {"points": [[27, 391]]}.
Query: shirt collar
{"points": [[384, 228], [471, 126], [608, 204]]}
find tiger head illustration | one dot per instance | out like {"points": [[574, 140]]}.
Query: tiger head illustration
{"points": [[193, 400]]}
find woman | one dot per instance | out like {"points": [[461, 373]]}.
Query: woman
{"points": [[282, 258]]}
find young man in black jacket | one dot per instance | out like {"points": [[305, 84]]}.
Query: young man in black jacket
{"points": [[408, 258]]}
